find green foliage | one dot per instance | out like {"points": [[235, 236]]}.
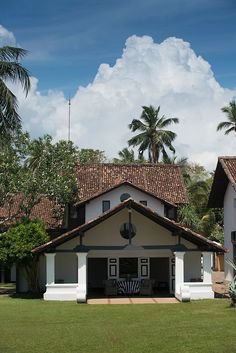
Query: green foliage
{"points": [[152, 137], [33, 169], [89, 155], [232, 286], [127, 156], [196, 214], [11, 70], [230, 125], [16, 244]]}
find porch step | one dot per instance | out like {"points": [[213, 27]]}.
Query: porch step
{"points": [[133, 301]]}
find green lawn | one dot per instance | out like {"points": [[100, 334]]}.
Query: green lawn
{"points": [[35, 326]]}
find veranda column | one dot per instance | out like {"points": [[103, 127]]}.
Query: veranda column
{"points": [[50, 268], [207, 256], [82, 277], [179, 271]]}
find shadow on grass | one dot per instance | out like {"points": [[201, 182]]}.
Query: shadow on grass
{"points": [[28, 295]]}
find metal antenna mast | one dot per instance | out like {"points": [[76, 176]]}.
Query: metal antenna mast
{"points": [[69, 104]]}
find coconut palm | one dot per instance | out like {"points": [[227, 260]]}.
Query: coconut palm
{"points": [[11, 71], [153, 136], [230, 112]]}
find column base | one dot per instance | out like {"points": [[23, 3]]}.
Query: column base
{"points": [[81, 294]]}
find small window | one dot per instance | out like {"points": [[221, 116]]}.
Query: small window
{"points": [[106, 205], [143, 202]]}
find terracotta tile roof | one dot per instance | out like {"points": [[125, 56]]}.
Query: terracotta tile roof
{"points": [[173, 226], [162, 180], [225, 173], [229, 166], [43, 210]]}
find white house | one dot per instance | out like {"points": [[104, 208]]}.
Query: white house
{"points": [[223, 195], [124, 231]]}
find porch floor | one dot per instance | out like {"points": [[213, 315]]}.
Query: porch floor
{"points": [[133, 300]]}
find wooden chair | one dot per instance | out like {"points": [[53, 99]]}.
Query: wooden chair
{"points": [[110, 287], [146, 287]]}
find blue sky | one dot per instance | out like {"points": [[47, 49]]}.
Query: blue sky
{"points": [[68, 40], [112, 57]]}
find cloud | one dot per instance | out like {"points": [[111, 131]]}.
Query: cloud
{"points": [[169, 74], [6, 37]]}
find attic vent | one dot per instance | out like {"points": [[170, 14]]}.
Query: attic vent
{"points": [[124, 197], [233, 237]]}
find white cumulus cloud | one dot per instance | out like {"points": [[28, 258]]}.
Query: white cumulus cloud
{"points": [[6, 37], [169, 74]]}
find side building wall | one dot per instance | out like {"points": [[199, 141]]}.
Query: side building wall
{"points": [[229, 226]]}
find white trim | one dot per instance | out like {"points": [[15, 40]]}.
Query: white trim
{"points": [[50, 268]]}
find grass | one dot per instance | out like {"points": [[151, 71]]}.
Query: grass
{"points": [[37, 326], [7, 285]]}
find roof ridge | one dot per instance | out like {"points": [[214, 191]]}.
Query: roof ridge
{"points": [[130, 164]]}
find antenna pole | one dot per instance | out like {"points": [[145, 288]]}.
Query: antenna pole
{"points": [[69, 104]]}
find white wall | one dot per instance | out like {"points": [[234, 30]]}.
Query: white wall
{"points": [[66, 268], [192, 266], [229, 226], [94, 207]]}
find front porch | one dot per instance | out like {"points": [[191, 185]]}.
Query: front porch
{"points": [[183, 274]]}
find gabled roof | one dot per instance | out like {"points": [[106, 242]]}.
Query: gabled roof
{"points": [[225, 173], [161, 180], [172, 226], [128, 184]]}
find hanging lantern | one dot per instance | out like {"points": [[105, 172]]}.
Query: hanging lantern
{"points": [[127, 230]]}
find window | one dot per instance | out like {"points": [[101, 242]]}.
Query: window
{"points": [[143, 202], [124, 197], [106, 205], [128, 267]]}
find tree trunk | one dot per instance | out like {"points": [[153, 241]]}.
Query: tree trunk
{"points": [[32, 276]]}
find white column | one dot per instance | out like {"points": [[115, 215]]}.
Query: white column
{"points": [[82, 277], [179, 271], [50, 268], [207, 256]]}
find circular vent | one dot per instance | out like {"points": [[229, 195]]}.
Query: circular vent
{"points": [[126, 228], [124, 197]]}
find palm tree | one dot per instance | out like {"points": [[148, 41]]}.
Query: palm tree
{"points": [[11, 70], [153, 137], [229, 125]]}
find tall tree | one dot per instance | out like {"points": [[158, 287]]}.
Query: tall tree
{"points": [[11, 71], [230, 125], [33, 169], [152, 137]]}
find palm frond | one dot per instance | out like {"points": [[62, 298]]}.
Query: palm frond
{"points": [[15, 72], [223, 125], [233, 128], [137, 124], [166, 122], [137, 140], [8, 53]]}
